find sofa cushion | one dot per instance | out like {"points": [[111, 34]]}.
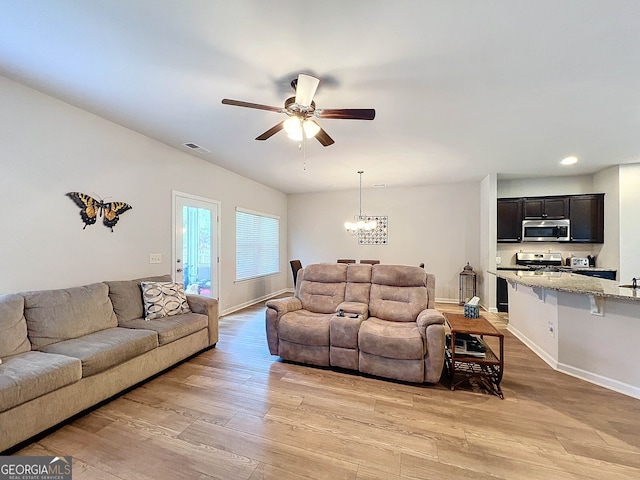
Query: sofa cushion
{"points": [[322, 287], [304, 327], [391, 339], [397, 304], [30, 375], [13, 326], [126, 296], [163, 299], [358, 283], [399, 275], [56, 315], [172, 328], [102, 350]]}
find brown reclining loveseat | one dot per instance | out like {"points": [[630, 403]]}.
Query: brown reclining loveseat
{"points": [[376, 319]]}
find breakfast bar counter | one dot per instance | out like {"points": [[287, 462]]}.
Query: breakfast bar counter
{"points": [[587, 327], [570, 282]]}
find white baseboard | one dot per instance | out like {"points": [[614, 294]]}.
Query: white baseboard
{"points": [[447, 300], [548, 359], [235, 308], [605, 382], [590, 377]]}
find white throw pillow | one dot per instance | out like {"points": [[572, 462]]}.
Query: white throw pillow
{"points": [[163, 299]]}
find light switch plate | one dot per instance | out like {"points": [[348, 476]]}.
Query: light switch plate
{"points": [[155, 258]]}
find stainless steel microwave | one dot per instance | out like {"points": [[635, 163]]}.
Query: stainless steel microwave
{"points": [[546, 230]]}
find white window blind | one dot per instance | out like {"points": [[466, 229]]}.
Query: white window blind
{"points": [[257, 244]]}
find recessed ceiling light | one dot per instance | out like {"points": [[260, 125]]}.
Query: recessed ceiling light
{"points": [[569, 161]]}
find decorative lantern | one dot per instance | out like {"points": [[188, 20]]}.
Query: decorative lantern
{"points": [[467, 284]]}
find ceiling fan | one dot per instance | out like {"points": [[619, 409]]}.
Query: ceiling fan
{"points": [[302, 110]]}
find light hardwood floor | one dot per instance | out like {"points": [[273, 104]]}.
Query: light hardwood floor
{"points": [[235, 412]]}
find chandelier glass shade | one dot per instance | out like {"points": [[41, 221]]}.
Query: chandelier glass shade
{"points": [[295, 126], [361, 223]]}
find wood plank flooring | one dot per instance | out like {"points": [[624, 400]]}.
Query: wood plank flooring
{"points": [[235, 412]]}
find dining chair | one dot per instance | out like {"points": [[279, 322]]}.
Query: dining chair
{"points": [[370, 262], [295, 266]]}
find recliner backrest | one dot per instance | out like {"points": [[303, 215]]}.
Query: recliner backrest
{"points": [[321, 287], [358, 283], [399, 292]]}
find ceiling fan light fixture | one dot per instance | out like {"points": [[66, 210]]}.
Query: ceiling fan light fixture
{"points": [[294, 126], [311, 128]]}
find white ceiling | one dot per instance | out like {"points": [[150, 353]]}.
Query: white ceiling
{"points": [[461, 88]]}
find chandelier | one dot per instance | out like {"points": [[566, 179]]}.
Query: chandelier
{"points": [[361, 222]]}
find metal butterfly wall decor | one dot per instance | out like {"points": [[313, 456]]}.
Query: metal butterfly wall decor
{"points": [[90, 209]]}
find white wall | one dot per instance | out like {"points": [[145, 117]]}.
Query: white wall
{"points": [[629, 222], [539, 187], [488, 238], [608, 182], [48, 148], [435, 224]]}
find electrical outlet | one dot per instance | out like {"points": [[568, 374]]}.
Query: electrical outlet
{"points": [[155, 258], [498, 260]]}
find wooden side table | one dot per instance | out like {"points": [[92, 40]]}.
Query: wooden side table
{"points": [[489, 368]]}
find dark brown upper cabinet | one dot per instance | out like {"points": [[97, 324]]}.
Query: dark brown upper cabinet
{"points": [[509, 220], [546, 208], [587, 218]]}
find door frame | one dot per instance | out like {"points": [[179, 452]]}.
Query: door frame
{"points": [[175, 227]]}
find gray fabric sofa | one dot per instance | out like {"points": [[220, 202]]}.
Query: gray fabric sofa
{"points": [[389, 327], [63, 351]]}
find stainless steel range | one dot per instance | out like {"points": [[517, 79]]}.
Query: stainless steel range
{"points": [[529, 264], [551, 261]]}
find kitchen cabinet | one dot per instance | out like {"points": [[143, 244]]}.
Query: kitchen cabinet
{"points": [[509, 220], [546, 208], [587, 218]]}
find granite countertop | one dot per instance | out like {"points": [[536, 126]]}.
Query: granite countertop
{"points": [[563, 267], [570, 282]]}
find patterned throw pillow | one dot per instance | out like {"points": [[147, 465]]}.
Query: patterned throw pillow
{"points": [[163, 299]]}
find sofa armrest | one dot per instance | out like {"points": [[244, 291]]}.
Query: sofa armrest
{"points": [[354, 307], [276, 308], [284, 305], [428, 317], [209, 307]]}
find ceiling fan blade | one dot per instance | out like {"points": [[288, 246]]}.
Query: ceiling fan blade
{"points": [[272, 131], [306, 89], [239, 103], [324, 138], [348, 113]]}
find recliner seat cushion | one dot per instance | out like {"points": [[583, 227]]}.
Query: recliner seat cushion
{"points": [[397, 340], [30, 375], [13, 326], [305, 328], [56, 315], [102, 350]]}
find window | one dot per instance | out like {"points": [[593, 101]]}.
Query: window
{"points": [[257, 244]]}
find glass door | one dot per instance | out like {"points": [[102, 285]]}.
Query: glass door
{"points": [[195, 249]]}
